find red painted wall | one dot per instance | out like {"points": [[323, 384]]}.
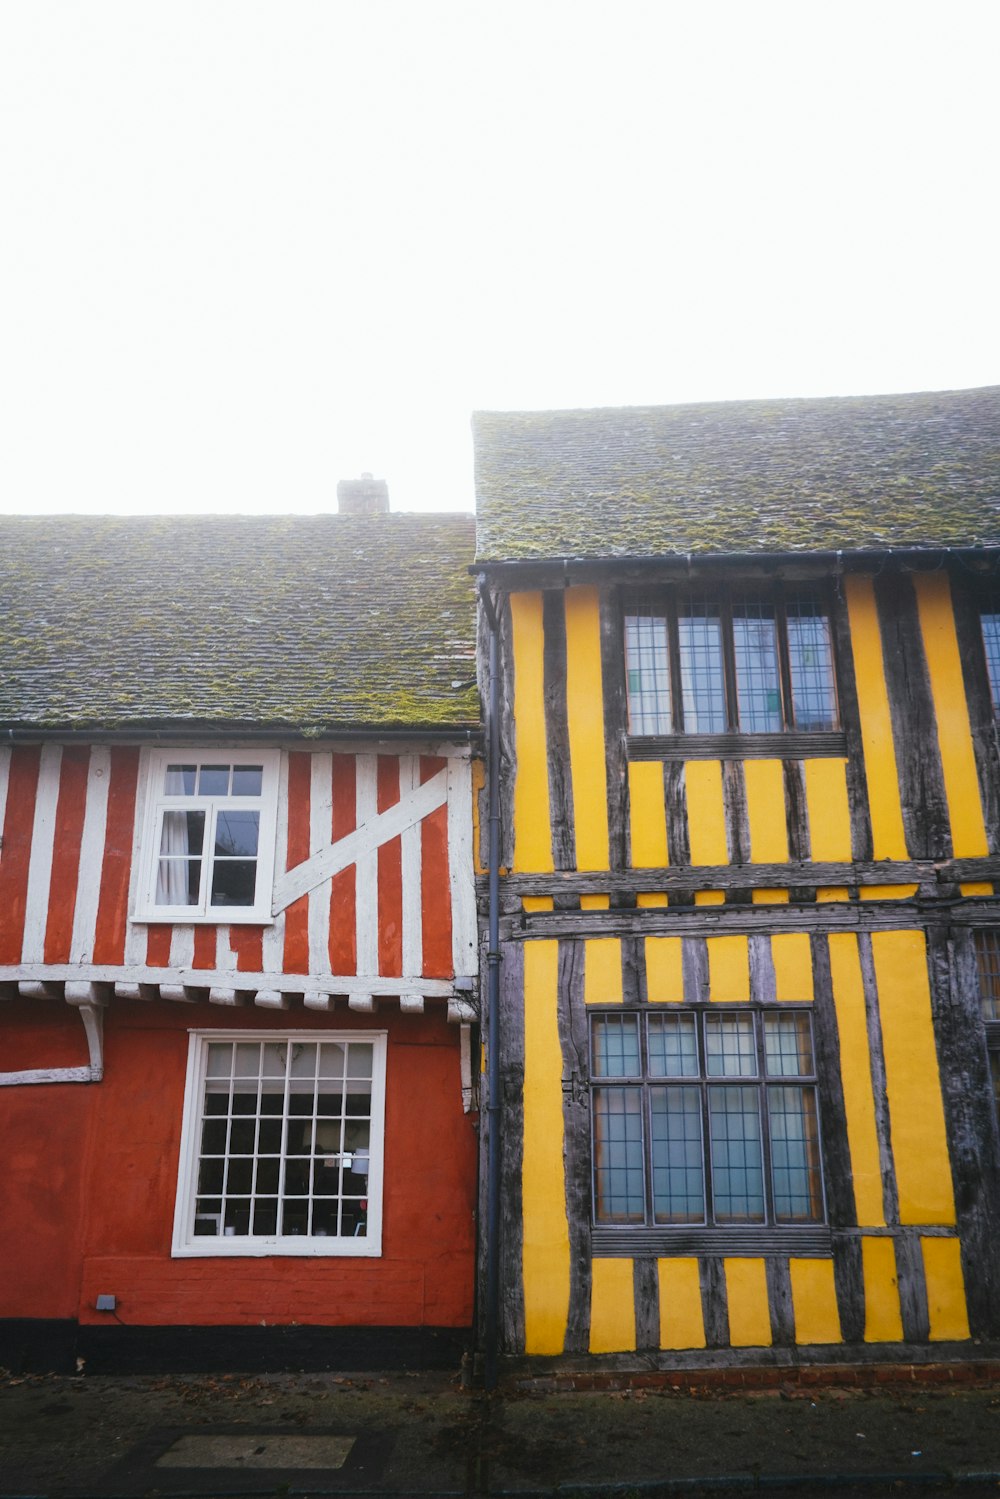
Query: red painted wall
{"points": [[88, 1199]]}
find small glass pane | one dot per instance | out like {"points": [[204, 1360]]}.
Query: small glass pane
{"points": [[995, 1074], [213, 780], [795, 1172], [180, 780], [213, 1138], [332, 1059], [810, 658], [988, 965], [729, 1046], [247, 1059], [247, 780], [273, 1060], [265, 1217], [991, 641], [737, 1161], [678, 1172], [234, 882], [615, 1046], [618, 1173], [178, 882], [758, 681], [182, 833], [359, 1060], [210, 1176], [699, 630], [220, 1059], [647, 674], [358, 1102], [788, 1045], [673, 1046], [236, 833]]}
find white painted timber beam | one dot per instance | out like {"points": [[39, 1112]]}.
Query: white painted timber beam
{"points": [[89, 1000]]}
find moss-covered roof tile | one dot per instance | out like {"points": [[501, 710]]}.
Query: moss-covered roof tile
{"points": [[864, 473], [309, 622]]}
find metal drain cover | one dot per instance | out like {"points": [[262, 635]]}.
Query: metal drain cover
{"points": [[257, 1451]]}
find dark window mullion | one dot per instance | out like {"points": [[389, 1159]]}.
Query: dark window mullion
{"points": [[763, 1104], [674, 651], [729, 659], [784, 659]]}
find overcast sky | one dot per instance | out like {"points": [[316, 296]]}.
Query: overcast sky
{"points": [[247, 249]]}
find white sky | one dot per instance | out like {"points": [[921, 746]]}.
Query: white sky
{"points": [[247, 249]]}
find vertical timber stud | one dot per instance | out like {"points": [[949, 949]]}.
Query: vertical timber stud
{"points": [[576, 1139], [557, 730], [493, 1106], [512, 1145]]}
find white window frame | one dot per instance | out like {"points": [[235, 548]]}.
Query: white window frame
{"points": [[186, 1245], [158, 801]]}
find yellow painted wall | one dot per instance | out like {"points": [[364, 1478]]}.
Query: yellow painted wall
{"points": [[706, 812], [814, 1301], [945, 1289], [546, 1236], [765, 783], [883, 1321], [876, 724], [828, 810], [602, 972], [612, 1307], [749, 1313], [532, 828], [585, 714], [647, 814], [681, 1322], [664, 969], [951, 712], [791, 953], [856, 1077], [728, 969], [916, 1111]]}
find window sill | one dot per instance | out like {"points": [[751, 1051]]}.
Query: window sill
{"points": [[229, 1249], [790, 745], [225, 916], [811, 1239]]}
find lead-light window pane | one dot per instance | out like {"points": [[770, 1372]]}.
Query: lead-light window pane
{"points": [[647, 674], [810, 660], [699, 629], [737, 1156], [618, 1170], [758, 682], [677, 1155], [795, 1175]]}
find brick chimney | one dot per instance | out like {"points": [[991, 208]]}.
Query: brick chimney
{"points": [[364, 496]]}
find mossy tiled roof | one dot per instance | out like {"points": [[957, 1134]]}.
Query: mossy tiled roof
{"points": [[909, 471], [299, 621]]}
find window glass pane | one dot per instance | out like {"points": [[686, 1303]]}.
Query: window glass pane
{"points": [[615, 1045], [988, 964], [359, 1059], [647, 674], [248, 780], [810, 657], [618, 1175], [673, 1046], [304, 1170], [235, 832], [182, 833], [234, 882], [729, 1046], [700, 637], [178, 882], [180, 780], [991, 640], [758, 682], [213, 780], [676, 1148], [995, 1074], [795, 1177], [788, 1044], [737, 1161]]}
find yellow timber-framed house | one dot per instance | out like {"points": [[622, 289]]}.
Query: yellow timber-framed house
{"points": [[745, 947]]}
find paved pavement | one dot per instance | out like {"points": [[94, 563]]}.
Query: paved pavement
{"points": [[424, 1435]]}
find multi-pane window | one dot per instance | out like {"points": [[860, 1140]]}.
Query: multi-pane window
{"points": [[209, 840], [990, 622], [282, 1148], [987, 943], [730, 661], [705, 1117]]}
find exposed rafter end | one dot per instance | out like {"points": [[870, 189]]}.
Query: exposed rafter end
{"points": [[362, 1004]]}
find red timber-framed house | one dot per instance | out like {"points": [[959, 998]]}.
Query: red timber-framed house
{"points": [[746, 898], [238, 943]]}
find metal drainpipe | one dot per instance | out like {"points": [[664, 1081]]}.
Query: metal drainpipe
{"points": [[493, 1009]]}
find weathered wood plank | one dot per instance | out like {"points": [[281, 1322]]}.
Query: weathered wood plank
{"points": [[714, 1301], [646, 1295], [574, 1042], [912, 1286], [789, 745], [850, 717], [511, 1148], [849, 1282], [970, 1119], [864, 916], [837, 1172], [914, 726], [557, 730], [615, 713], [675, 878], [876, 1056], [779, 1301]]}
